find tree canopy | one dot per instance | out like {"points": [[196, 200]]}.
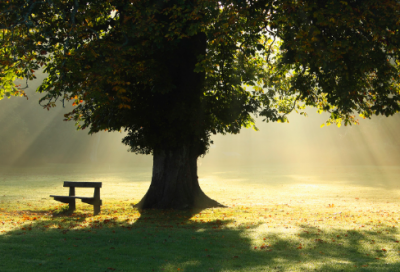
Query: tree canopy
{"points": [[119, 62]]}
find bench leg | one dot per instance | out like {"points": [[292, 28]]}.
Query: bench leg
{"points": [[96, 208], [72, 205], [97, 202]]}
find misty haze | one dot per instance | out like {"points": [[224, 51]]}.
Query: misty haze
{"points": [[301, 151]]}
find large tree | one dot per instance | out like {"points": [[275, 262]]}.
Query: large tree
{"points": [[173, 72]]}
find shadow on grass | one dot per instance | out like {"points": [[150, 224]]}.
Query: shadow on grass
{"points": [[185, 241]]}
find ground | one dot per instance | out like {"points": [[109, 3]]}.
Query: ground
{"points": [[279, 218]]}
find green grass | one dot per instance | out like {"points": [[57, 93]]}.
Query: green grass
{"points": [[287, 226]]}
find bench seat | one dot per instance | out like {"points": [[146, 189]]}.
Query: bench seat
{"points": [[85, 199]]}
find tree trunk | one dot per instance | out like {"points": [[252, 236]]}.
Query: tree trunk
{"points": [[179, 130], [175, 184]]}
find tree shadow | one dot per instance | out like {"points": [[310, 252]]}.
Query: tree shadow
{"points": [[186, 241]]}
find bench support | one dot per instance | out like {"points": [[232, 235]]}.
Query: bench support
{"points": [[66, 199]]}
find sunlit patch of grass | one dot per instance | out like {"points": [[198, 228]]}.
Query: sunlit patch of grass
{"points": [[290, 227]]}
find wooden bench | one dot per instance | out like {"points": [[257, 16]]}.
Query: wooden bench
{"points": [[95, 200]]}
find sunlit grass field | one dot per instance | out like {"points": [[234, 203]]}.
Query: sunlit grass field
{"points": [[279, 218]]}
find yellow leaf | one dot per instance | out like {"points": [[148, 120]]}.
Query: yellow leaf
{"points": [[124, 106]]}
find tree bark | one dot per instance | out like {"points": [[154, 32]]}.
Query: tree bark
{"points": [[174, 183]]}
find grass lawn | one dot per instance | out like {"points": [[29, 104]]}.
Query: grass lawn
{"points": [[292, 222]]}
